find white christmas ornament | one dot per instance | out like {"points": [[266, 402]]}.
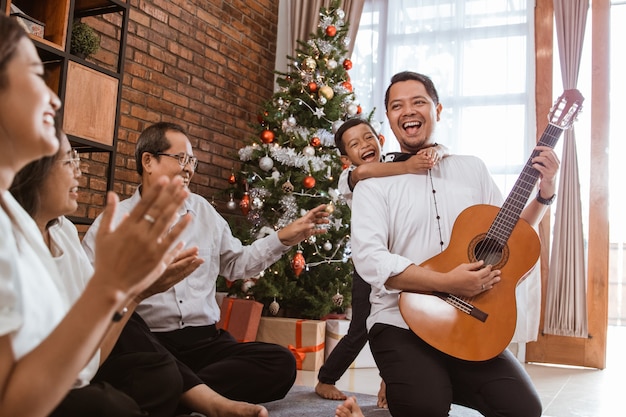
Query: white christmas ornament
{"points": [[352, 109], [247, 284], [257, 203], [291, 121], [266, 163], [336, 125], [328, 246], [275, 176], [274, 307], [308, 150], [319, 112], [332, 64]]}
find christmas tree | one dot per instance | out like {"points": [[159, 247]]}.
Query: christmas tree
{"points": [[291, 166]]}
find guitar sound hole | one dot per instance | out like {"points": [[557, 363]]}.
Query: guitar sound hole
{"points": [[490, 251]]}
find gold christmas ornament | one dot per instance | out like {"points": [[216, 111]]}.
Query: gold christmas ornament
{"points": [[287, 186], [326, 92], [310, 63], [338, 299]]}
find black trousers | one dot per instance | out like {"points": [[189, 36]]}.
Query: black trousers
{"points": [[422, 381], [254, 372], [130, 383], [351, 344], [98, 400]]}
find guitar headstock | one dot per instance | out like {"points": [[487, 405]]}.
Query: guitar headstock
{"points": [[566, 108]]}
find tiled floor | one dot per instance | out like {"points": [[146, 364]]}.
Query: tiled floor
{"points": [[565, 391]]}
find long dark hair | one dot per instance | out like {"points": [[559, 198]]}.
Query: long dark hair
{"points": [[10, 34], [29, 181]]}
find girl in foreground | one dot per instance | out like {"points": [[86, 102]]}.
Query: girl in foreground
{"points": [[43, 343]]}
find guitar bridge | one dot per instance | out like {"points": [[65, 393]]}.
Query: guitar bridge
{"points": [[463, 305]]}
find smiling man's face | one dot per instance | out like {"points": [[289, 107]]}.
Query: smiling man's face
{"points": [[412, 115]]}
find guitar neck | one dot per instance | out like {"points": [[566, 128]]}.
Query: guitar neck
{"points": [[511, 210]]}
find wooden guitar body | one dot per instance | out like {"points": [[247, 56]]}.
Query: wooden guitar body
{"points": [[478, 328]]}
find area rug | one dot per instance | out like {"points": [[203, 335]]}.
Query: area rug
{"points": [[302, 401]]}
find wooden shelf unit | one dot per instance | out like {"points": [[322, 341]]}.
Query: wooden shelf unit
{"points": [[90, 89]]}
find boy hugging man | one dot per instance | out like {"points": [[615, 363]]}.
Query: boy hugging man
{"points": [[360, 148]]}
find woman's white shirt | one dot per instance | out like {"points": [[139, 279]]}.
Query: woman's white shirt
{"points": [[28, 278]]}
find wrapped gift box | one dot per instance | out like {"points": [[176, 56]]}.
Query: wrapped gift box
{"points": [[335, 330], [305, 339], [240, 318]]}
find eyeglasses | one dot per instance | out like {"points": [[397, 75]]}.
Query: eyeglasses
{"points": [[73, 160], [183, 159]]}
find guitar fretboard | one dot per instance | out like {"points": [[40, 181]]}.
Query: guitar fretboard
{"points": [[509, 213]]}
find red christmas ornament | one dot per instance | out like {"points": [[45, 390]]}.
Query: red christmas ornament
{"points": [[244, 204], [316, 141], [331, 30], [232, 179], [297, 263], [267, 136], [347, 65], [359, 109], [312, 87], [308, 182], [347, 85]]}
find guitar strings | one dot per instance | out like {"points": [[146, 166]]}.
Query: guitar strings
{"points": [[526, 182]]}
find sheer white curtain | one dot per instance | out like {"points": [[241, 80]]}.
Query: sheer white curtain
{"points": [[480, 54]]}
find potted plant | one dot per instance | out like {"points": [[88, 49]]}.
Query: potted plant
{"points": [[85, 40]]}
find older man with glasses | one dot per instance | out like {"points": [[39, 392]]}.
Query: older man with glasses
{"points": [[184, 317]]}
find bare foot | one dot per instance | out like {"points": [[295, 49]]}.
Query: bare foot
{"points": [[382, 396], [239, 409], [203, 399], [349, 408], [329, 392]]}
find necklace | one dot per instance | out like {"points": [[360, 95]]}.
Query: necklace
{"points": [[438, 217]]}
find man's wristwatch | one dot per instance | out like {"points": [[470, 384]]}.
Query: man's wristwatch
{"points": [[545, 201]]}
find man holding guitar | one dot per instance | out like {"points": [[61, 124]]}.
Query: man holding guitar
{"points": [[398, 224]]}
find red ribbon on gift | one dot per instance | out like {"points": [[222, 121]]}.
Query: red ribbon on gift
{"points": [[299, 351], [229, 309]]}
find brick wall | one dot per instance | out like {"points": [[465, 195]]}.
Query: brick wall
{"points": [[207, 65]]}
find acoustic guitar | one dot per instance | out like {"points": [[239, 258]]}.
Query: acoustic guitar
{"points": [[481, 327]]}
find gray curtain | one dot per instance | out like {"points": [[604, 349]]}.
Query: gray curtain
{"points": [[566, 296], [304, 17]]}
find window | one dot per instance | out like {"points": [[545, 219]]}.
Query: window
{"points": [[479, 53]]}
